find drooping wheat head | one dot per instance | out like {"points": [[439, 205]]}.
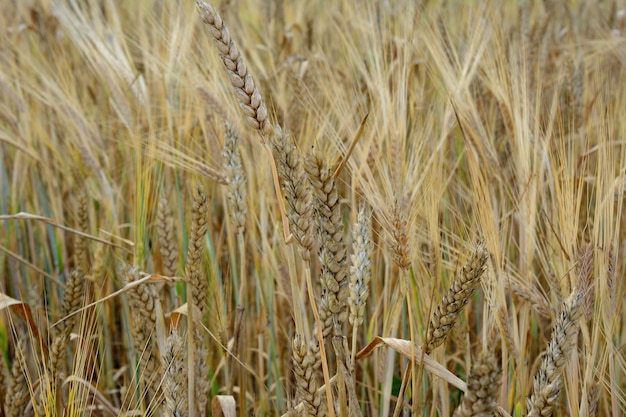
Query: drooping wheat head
{"points": [[247, 93]]}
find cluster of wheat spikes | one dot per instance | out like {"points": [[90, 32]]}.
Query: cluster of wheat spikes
{"points": [[312, 208]]}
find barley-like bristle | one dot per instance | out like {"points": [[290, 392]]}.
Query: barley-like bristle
{"points": [[529, 293], [549, 377], [236, 178], [249, 97], [482, 387], [306, 381], [167, 238], [453, 302], [18, 393], [297, 191], [175, 377], [332, 247]]}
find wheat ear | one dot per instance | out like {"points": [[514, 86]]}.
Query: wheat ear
{"points": [[236, 177], [306, 377], [249, 97], [142, 299], [167, 238], [82, 250], [482, 387], [549, 377], [197, 302], [74, 292], [174, 379], [400, 242], [585, 279], [296, 189], [4, 379], [332, 252], [18, 393], [360, 273], [453, 302]]}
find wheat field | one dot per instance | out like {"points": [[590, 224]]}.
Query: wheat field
{"points": [[322, 208]]}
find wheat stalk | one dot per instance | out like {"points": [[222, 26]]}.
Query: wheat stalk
{"points": [[453, 302], [549, 377]]}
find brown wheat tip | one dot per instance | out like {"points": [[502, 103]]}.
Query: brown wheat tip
{"points": [[400, 242], [549, 377], [167, 238], [306, 377], [482, 387], [453, 302], [249, 97]]}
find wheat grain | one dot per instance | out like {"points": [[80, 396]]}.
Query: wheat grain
{"points": [[463, 287], [549, 377]]}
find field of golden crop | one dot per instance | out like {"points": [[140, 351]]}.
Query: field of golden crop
{"points": [[323, 208]]}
